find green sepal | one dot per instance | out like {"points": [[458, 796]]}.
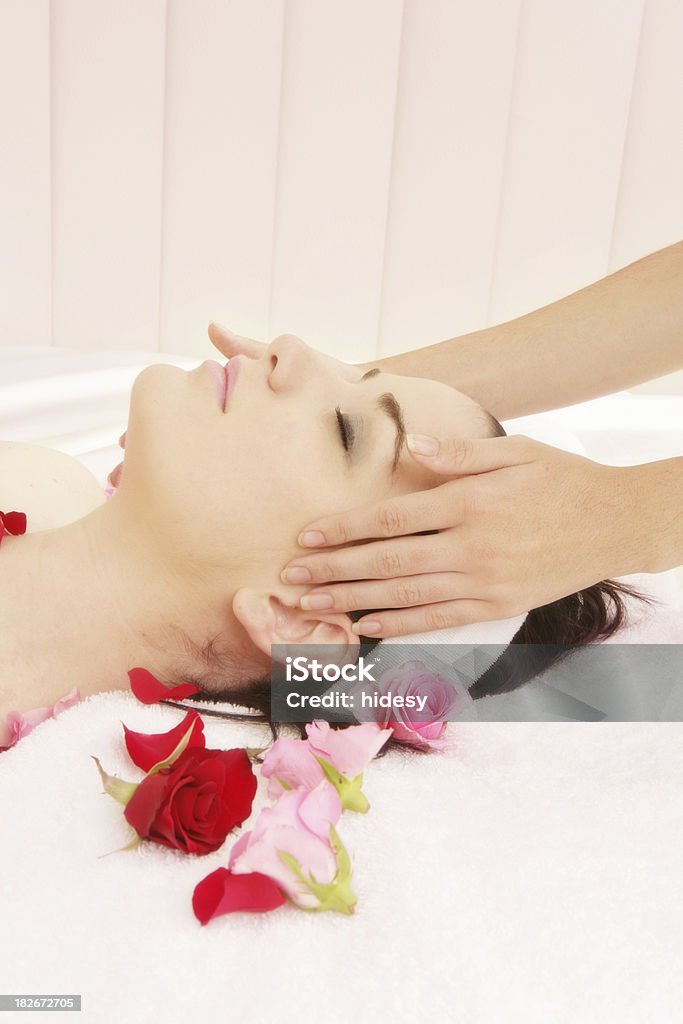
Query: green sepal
{"points": [[118, 788], [336, 895], [350, 794], [132, 845], [175, 754], [253, 753]]}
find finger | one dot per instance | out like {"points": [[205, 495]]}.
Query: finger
{"points": [[231, 344], [425, 619], [434, 509], [459, 455], [405, 556], [406, 591]]}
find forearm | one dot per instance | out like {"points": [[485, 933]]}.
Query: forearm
{"points": [[618, 332], [656, 514]]}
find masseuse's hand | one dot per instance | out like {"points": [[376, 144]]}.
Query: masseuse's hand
{"points": [[520, 524], [231, 344]]}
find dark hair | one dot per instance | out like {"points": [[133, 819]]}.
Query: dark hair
{"points": [[551, 633]]}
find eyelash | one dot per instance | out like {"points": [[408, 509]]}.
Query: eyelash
{"points": [[346, 431]]}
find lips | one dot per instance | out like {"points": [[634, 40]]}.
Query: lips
{"points": [[218, 373], [232, 370]]}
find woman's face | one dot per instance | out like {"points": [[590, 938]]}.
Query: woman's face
{"points": [[247, 480], [229, 492]]}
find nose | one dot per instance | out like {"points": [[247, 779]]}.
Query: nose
{"points": [[290, 361]]}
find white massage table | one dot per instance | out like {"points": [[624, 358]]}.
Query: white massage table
{"points": [[530, 874]]}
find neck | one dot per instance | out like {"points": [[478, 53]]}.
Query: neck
{"points": [[82, 604]]}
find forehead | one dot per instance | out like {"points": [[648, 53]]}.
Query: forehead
{"points": [[430, 407]]}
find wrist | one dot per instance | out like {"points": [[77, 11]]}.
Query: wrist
{"points": [[653, 521]]}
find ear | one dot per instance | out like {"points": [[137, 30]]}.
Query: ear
{"points": [[274, 617]]}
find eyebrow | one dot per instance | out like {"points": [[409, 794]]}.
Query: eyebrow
{"points": [[388, 404]]}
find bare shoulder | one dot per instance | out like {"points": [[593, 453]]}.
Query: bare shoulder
{"points": [[51, 487]]}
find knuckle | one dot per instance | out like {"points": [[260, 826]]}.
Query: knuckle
{"points": [[489, 557], [406, 594], [388, 562], [439, 618], [459, 451], [337, 533], [348, 600], [389, 520], [395, 625], [324, 570]]}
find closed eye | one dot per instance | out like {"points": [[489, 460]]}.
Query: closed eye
{"points": [[346, 431]]}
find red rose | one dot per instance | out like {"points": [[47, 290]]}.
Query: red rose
{"points": [[194, 803]]}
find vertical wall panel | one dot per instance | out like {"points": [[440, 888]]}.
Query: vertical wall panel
{"points": [[372, 177], [339, 81], [649, 212], [570, 106], [453, 107], [222, 108], [25, 172], [107, 85]]}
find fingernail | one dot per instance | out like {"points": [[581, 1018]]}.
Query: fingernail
{"points": [[421, 444], [296, 574], [316, 602], [311, 539], [366, 628]]}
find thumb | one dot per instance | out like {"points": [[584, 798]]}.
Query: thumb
{"points": [[460, 456], [231, 344]]}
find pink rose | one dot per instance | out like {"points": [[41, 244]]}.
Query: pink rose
{"points": [[350, 750], [338, 755], [424, 728], [290, 764], [20, 724], [294, 843], [67, 701]]}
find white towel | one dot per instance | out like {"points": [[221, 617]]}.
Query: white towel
{"points": [[530, 874]]}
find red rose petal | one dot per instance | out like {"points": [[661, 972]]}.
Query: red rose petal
{"points": [[223, 892], [143, 806], [14, 522], [149, 690], [147, 749]]}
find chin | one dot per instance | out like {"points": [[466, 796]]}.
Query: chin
{"points": [[159, 415]]}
